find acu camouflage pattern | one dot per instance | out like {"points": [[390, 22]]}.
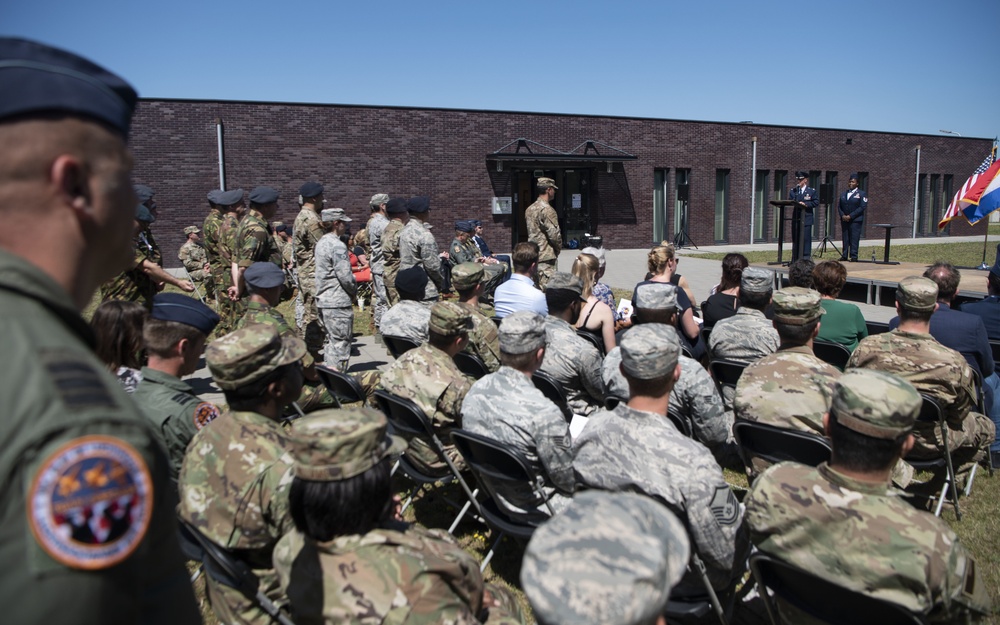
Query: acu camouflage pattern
{"points": [[631, 450], [745, 337], [506, 407], [335, 290], [575, 363], [865, 537], [418, 247], [521, 332], [649, 351], [253, 241], [390, 258], [408, 319]]}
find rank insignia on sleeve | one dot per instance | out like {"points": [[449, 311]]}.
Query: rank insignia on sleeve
{"points": [[205, 413], [90, 503], [725, 506]]}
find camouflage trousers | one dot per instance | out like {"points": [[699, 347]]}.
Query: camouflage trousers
{"points": [[310, 328], [391, 294], [339, 326], [381, 303], [976, 434], [545, 270]]}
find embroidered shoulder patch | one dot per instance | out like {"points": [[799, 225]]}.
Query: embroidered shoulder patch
{"points": [[90, 503], [725, 506], [205, 413]]}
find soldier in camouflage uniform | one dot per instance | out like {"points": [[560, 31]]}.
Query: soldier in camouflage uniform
{"points": [[464, 250], [469, 281], [506, 407], [174, 337], [609, 558], [231, 204], [543, 229], [635, 447], [349, 561], [396, 208], [210, 237], [573, 361], [912, 353], [306, 233], [376, 226], [239, 501], [145, 195], [409, 316], [418, 247], [428, 376], [335, 290], [253, 240], [195, 260], [842, 521]]}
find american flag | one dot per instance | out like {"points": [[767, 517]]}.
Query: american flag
{"points": [[955, 208]]}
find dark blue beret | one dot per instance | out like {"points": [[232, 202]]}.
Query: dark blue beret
{"points": [[476, 222], [464, 225], [311, 189], [853, 177], [183, 309], [412, 282], [418, 204], [264, 275], [263, 195], [801, 174], [395, 205], [36, 78], [213, 195], [142, 214], [228, 198], [143, 192]]}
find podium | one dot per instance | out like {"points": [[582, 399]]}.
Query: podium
{"points": [[796, 219]]}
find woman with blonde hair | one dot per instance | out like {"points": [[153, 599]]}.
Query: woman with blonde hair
{"points": [[662, 265], [596, 317]]}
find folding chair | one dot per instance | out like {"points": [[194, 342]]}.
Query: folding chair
{"points": [[399, 345], [821, 598], [494, 465], [876, 327], [344, 388], [977, 379], [592, 339], [471, 365], [706, 331], [930, 412], [228, 570], [726, 372], [407, 419], [682, 424], [553, 390], [831, 353], [773, 444]]}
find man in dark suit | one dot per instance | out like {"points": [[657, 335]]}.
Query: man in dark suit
{"points": [[988, 309], [853, 203], [806, 200]]}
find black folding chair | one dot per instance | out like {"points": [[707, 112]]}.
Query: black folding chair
{"points": [[344, 388], [876, 327], [682, 424], [930, 412], [496, 465], [553, 390], [821, 598], [592, 339], [471, 364], [399, 345], [831, 353], [726, 372], [496, 320], [773, 444], [408, 420]]}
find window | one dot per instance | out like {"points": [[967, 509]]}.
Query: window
{"points": [[760, 202], [660, 204], [721, 204], [830, 208], [682, 179], [946, 195], [780, 193], [923, 216], [935, 203]]}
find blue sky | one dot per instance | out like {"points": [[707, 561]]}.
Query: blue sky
{"points": [[908, 66]]}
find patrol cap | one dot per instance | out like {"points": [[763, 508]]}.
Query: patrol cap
{"points": [[311, 189], [418, 204], [395, 206], [522, 332], [567, 282], [334, 214], [917, 294], [192, 230], [797, 306], [546, 182], [756, 280], [467, 275], [264, 275], [464, 225], [183, 309], [596, 252], [648, 352], [412, 282], [378, 200], [143, 192], [337, 444], [607, 558], [853, 176], [36, 78], [450, 319], [995, 269], [655, 296], [801, 174], [249, 354], [215, 195], [142, 214], [875, 403], [264, 195], [230, 198]]}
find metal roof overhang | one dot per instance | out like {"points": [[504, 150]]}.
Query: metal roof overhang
{"points": [[592, 152]]}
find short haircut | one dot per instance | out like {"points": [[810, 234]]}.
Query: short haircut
{"points": [[756, 301], [521, 362], [524, 256], [947, 277], [920, 316], [540, 190], [653, 315], [800, 273], [357, 505], [649, 388], [559, 300], [732, 270], [830, 277], [160, 337], [795, 334], [855, 451], [250, 396], [442, 341]]}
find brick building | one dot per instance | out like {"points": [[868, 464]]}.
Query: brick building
{"points": [[630, 180]]}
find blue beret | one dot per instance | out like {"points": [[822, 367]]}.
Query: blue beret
{"points": [[395, 205], [143, 192], [412, 281], [263, 195], [311, 189], [476, 222], [228, 198], [264, 275], [853, 177], [464, 225], [36, 78], [142, 214], [418, 204], [183, 309], [213, 195]]}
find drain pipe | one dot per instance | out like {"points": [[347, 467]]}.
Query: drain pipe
{"points": [[753, 189], [916, 195], [222, 157]]}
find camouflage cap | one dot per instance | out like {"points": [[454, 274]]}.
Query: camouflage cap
{"points": [[467, 275], [546, 182], [566, 281], [250, 353], [378, 200], [875, 403], [607, 558], [192, 230], [330, 215], [917, 294], [655, 296], [648, 351], [797, 306], [522, 332], [450, 319], [338, 444], [757, 280]]}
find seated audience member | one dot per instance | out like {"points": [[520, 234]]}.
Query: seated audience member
{"points": [[601, 291], [174, 337], [662, 264], [506, 407], [469, 280], [359, 260], [609, 559], [800, 273], [348, 559], [117, 326], [464, 250], [635, 447], [723, 303], [841, 520], [520, 293], [843, 323], [988, 309], [596, 317], [408, 317]]}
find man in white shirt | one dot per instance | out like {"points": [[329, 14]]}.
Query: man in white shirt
{"points": [[520, 293]]}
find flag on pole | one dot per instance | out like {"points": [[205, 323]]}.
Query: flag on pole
{"points": [[957, 203], [984, 197]]}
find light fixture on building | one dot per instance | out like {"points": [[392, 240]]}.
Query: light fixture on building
{"points": [[499, 166], [610, 166]]}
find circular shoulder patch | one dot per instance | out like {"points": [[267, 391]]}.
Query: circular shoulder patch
{"points": [[205, 413], [90, 503]]}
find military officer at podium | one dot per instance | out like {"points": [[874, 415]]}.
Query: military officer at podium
{"points": [[853, 203], [806, 199]]}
